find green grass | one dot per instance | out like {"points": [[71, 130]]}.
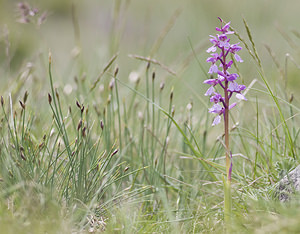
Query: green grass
{"points": [[84, 149]]}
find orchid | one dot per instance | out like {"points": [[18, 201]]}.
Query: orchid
{"points": [[221, 53]]}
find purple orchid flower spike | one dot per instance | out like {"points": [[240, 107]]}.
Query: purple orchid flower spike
{"points": [[220, 65]]}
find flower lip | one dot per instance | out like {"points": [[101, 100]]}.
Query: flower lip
{"points": [[211, 49], [210, 91], [217, 120], [216, 108], [216, 98], [213, 69], [238, 58], [240, 96], [232, 77], [233, 87], [235, 48], [223, 37], [214, 58]]}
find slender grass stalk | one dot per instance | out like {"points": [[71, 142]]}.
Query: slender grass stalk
{"points": [[148, 110], [153, 115], [119, 110]]}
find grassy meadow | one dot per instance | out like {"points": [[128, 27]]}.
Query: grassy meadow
{"points": [[105, 126]]}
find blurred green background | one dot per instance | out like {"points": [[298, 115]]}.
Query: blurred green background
{"points": [[83, 35]]}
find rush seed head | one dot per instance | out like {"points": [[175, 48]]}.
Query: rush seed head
{"points": [[49, 98]]}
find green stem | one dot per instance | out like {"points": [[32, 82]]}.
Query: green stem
{"points": [[227, 204]]}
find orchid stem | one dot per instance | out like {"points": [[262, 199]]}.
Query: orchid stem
{"points": [[221, 107], [227, 184]]}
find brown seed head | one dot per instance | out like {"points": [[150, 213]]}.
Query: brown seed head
{"points": [[84, 131], [49, 98], [22, 156], [41, 145], [22, 105], [108, 99], [171, 95], [25, 97], [116, 71], [291, 98], [78, 105], [113, 153], [173, 111], [79, 125], [56, 94], [111, 84]]}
